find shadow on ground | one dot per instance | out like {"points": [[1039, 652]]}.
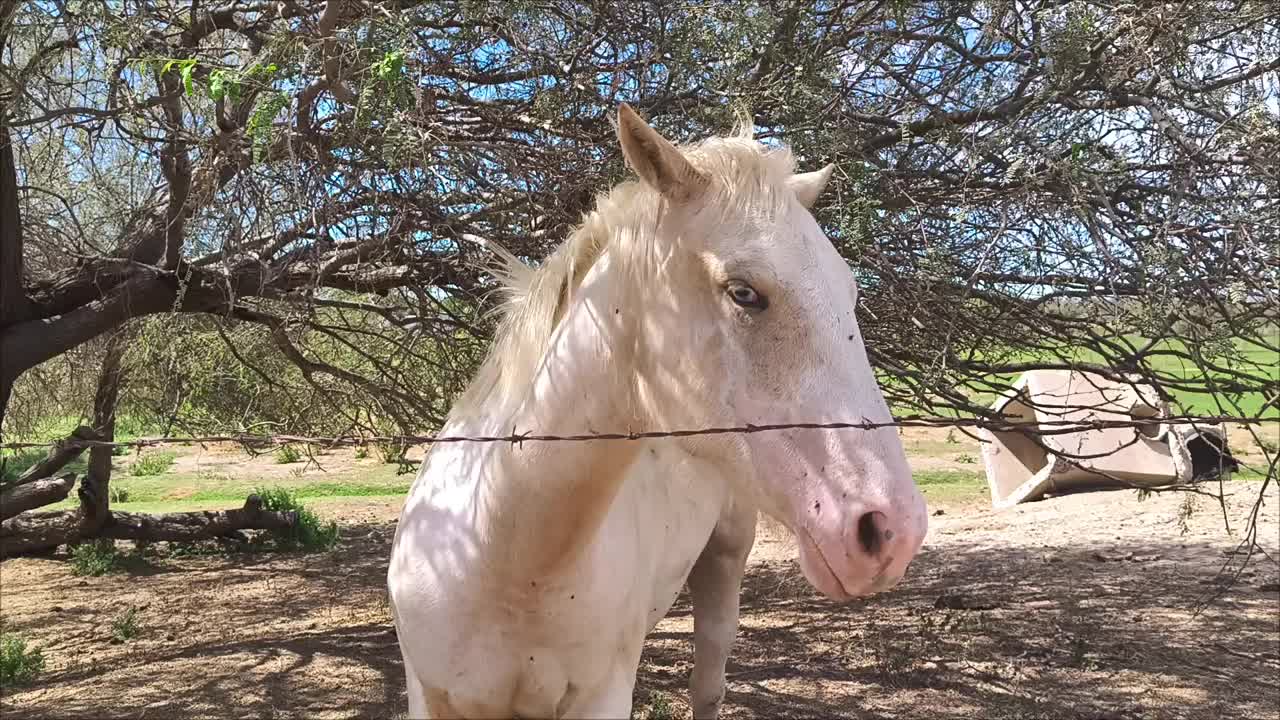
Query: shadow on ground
{"points": [[1086, 631], [1093, 632]]}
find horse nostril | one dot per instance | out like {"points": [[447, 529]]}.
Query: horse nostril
{"points": [[870, 536]]}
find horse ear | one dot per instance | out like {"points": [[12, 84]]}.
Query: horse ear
{"points": [[808, 186], [656, 160]]}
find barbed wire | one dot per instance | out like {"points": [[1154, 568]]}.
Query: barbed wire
{"points": [[1040, 427]]}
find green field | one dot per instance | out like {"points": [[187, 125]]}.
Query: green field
{"points": [[1247, 358], [205, 490], [228, 482], [231, 479]]}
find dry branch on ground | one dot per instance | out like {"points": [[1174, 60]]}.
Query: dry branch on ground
{"points": [[35, 532]]}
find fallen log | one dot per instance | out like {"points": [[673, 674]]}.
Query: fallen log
{"points": [[58, 455], [36, 531], [32, 532], [202, 525], [34, 494]]}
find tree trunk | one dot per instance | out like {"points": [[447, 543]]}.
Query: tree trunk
{"points": [[59, 455], [6, 389], [33, 532], [13, 302], [34, 494], [95, 488]]}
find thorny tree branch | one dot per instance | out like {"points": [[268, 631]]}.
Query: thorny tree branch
{"points": [[1092, 185]]}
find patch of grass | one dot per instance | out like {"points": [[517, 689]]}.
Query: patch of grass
{"points": [[949, 477], [929, 448], [151, 464], [892, 663], [131, 428], [310, 490], [288, 454], [392, 453], [127, 626], [185, 505], [202, 548], [659, 707], [951, 485], [221, 487], [1245, 357], [1249, 474], [118, 494], [15, 462], [966, 459], [13, 465], [1078, 649], [362, 452], [19, 664], [310, 533], [1164, 357], [94, 559]]}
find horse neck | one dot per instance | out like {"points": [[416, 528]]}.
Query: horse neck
{"points": [[546, 500]]}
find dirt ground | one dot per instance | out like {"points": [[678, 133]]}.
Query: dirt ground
{"points": [[1082, 606]]}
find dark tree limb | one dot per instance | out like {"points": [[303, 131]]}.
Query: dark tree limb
{"points": [[147, 290], [34, 494], [59, 455], [101, 294], [34, 532]]}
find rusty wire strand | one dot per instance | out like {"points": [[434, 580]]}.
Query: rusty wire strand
{"points": [[1047, 427]]}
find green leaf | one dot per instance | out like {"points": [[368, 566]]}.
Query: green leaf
{"points": [[263, 71], [217, 85], [223, 84], [260, 122], [389, 67], [187, 84]]}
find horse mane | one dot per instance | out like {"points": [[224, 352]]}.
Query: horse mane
{"points": [[745, 174]]}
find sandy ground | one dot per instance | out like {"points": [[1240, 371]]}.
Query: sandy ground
{"points": [[1075, 607]]}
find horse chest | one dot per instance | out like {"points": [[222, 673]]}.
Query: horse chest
{"points": [[583, 626], [668, 507]]}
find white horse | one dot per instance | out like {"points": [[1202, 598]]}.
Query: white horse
{"points": [[525, 578]]}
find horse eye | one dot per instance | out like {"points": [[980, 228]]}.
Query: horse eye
{"points": [[746, 296]]}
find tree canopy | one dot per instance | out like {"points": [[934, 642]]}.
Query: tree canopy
{"points": [[278, 207]]}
